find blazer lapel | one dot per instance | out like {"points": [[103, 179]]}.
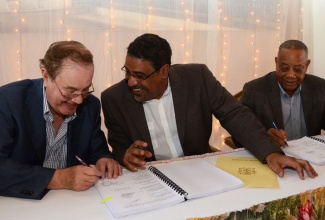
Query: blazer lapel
{"points": [[33, 116], [136, 112], [73, 137], [275, 102], [307, 104], [180, 96]]}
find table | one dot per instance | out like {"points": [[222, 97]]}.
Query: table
{"points": [[66, 204]]}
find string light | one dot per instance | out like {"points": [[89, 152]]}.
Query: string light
{"points": [[184, 28], [187, 42], [253, 40], [301, 23], [148, 16], [109, 47], [17, 30]]}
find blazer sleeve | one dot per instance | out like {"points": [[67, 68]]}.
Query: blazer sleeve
{"points": [[118, 137], [18, 179], [239, 120]]}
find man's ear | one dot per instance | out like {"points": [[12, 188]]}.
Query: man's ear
{"points": [[165, 71], [45, 76]]}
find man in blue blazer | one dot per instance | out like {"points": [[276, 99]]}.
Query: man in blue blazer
{"points": [[289, 97], [46, 122], [162, 111]]}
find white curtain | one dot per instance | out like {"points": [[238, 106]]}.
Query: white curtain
{"points": [[237, 39]]}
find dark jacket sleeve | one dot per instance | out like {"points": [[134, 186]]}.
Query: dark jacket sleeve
{"points": [[21, 172]]}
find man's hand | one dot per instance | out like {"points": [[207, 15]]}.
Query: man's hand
{"points": [[278, 162], [278, 136], [110, 166], [135, 156], [76, 178]]}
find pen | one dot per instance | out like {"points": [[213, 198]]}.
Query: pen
{"points": [[84, 163], [276, 127]]}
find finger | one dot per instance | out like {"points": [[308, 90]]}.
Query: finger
{"points": [[102, 169], [309, 169], [114, 170], [137, 157], [297, 165], [300, 171], [277, 137], [140, 144], [93, 171], [127, 164], [117, 170], [283, 133], [279, 171], [276, 167]]}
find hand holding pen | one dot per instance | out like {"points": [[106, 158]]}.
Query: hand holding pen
{"points": [[278, 135], [85, 164]]}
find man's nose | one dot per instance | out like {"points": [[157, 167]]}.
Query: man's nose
{"points": [[132, 81], [291, 73], [78, 100]]}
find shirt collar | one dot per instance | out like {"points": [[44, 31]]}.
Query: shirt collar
{"points": [[297, 91]]}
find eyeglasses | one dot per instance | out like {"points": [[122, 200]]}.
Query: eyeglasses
{"points": [[138, 76], [70, 95]]}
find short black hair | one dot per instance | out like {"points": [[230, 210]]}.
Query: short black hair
{"points": [[294, 45], [152, 48]]}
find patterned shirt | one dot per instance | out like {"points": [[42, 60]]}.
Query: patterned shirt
{"points": [[56, 145]]}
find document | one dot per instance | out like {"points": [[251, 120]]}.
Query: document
{"points": [[250, 170], [164, 185], [308, 148]]}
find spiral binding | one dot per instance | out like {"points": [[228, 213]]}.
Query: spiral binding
{"points": [[317, 139], [168, 181]]}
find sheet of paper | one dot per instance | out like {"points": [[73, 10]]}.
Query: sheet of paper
{"points": [[199, 178], [307, 148], [250, 170], [136, 192]]}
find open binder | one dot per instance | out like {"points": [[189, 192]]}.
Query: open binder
{"points": [[162, 185]]}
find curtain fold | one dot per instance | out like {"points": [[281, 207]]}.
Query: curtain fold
{"points": [[237, 40]]}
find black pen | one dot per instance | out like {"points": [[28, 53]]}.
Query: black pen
{"points": [[276, 127], [85, 164]]}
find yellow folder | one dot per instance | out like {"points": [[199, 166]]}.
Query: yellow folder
{"points": [[250, 170]]}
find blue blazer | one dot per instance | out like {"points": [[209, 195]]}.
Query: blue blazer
{"points": [[23, 139]]}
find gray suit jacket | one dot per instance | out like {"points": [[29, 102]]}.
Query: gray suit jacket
{"points": [[23, 139], [197, 96], [262, 96]]}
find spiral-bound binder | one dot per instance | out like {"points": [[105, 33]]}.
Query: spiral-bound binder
{"points": [[164, 185], [317, 138], [168, 181], [310, 148]]}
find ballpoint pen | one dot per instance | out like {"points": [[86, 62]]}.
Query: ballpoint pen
{"points": [[82, 161], [276, 127], [85, 164]]}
